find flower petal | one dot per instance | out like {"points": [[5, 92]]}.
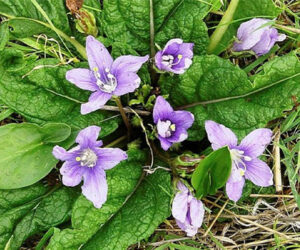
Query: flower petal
{"points": [[180, 206], [158, 60], [259, 173], [88, 137], [71, 174], [196, 212], [219, 135], [172, 46], [96, 101], [128, 64], [95, 186], [110, 157], [165, 144], [162, 109], [82, 78], [61, 154], [188, 228], [127, 82], [179, 135], [183, 119], [254, 144], [98, 55], [234, 190]]}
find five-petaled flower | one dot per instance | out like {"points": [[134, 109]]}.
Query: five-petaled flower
{"points": [[258, 36], [88, 161], [245, 162], [187, 210], [176, 56], [171, 125], [106, 78]]}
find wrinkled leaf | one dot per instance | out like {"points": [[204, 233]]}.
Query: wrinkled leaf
{"points": [[4, 35], [26, 152], [146, 199], [39, 91], [212, 172], [128, 21], [222, 92], [30, 210]]}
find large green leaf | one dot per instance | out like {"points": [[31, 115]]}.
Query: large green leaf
{"points": [[132, 207], [128, 21], [30, 210], [39, 91], [244, 11], [212, 172], [26, 152], [217, 90]]}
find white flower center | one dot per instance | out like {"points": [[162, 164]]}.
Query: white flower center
{"points": [[238, 158], [168, 60], [110, 83], [165, 128], [87, 158]]}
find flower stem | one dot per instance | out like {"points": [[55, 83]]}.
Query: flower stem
{"points": [[152, 48], [117, 141], [222, 27], [123, 114]]}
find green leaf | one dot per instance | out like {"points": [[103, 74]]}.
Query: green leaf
{"points": [[243, 11], [128, 21], [135, 201], [39, 91], [139, 217], [26, 18], [30, 210], [26, 152], [4, 35], [215, 89], [212, 172]]}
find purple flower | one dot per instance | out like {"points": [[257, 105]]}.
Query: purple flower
{"points": [[105, 77], [187, 210], [176, 56], [88, 162], [171, 125], [255, 35], [245, 162]]}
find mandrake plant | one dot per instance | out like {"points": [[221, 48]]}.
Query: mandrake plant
{"points": [[151, 124]]}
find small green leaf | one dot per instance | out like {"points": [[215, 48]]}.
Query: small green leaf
{"points": [[212, 172], [30, 210], [26, 152]]}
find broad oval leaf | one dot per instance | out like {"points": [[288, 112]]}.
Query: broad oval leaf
{"points": [[212, 172], [26, 152], [215, 89]]}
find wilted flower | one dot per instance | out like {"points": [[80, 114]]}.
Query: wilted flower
{"points": [[187, 210], [257, 36], [105, 76], [171, 125], [245, 162], [88, 162], [176, 56]]}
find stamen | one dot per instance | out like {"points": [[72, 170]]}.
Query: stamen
{"points": [[247, 158], [110, 82], [88, 158], [173, 127], [78, 158]]}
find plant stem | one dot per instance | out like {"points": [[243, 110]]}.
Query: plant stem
{"points": [[123, 114], [222, 26], [115, 142], [152, 48]]}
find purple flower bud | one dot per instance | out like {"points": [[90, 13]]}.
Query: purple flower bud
{"points": [[255, 35], [105, 77], [88, 162], [171, 125], [176, 56], [187, 210], [245, 162]]}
